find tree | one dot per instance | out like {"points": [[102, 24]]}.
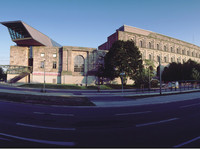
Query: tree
{"points": [[195, 74], [2, 75], [150, 67], [144, 77], [123, 56], [189, 70]]}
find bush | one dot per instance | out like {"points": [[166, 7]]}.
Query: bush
{"points": [[154, 83]]}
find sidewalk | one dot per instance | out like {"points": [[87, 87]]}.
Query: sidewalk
{"points": [[118, 99], [149, 100]]}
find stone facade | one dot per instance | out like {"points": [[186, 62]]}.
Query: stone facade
{"points": [[57, 65], [152, 45], [78, 65], [51, 66], [19, 57], [91, 59]]}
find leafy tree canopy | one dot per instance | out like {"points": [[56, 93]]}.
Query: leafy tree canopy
{"points": [[189, 70], [123, 56], [2, 74]]}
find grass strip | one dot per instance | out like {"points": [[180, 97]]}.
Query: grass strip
{"points": [[46, 100]]}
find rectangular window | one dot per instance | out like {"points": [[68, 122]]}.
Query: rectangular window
{"points": [[54, 55], [165, 59], [158, 58], [42, 64], [54, 65], [42, 54]]}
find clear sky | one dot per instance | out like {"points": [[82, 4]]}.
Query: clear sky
{"points": [[88, 23]]}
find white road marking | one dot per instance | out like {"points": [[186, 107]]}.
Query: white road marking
{"points": [[40, 141], [190, 105], [158, 122], [44, 127], [134, 113], [55, 114], [187, 142], [38, 112], [5, 139]]}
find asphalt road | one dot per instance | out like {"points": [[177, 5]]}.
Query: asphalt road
{"points": [[162, 125]]}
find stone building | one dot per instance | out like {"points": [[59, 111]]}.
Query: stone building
{"points": [[47, 60], [37, 58], [153, 45]]}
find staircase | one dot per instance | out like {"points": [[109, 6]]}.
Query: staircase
{"points": [[17, 78]]}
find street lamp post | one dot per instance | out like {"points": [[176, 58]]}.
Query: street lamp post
{"points": [[44, 79], [121, 76], [149, 80], [160, 76]]}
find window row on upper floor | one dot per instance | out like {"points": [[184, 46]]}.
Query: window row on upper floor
{"points": [[167, 59], [169, 49], [54, 55], [54, 64]]}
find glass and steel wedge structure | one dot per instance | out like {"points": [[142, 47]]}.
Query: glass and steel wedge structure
{"points": [[25, 35]]}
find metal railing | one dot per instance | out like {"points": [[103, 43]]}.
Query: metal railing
{"points": [[16, 69]]}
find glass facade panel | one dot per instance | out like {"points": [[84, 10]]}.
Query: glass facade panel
{"points": [[17, 33]]}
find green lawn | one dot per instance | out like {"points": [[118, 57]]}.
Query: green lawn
{"points": [[46, 100], [71, 86]]}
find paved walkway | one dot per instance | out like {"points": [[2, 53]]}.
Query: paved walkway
{"points": [[117, 99], [149, 100]]}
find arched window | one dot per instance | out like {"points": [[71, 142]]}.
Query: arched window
{"points": [[158, 58], [178, 60], [165, 59], [157, 46], [177, 50], [149, 56], [183, 51], [188, 53], [165, 48], [149, 45], [141, 44], [79, 64], [171, 49]]}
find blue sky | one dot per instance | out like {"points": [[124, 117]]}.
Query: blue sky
{"points": [[88, 23]]}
